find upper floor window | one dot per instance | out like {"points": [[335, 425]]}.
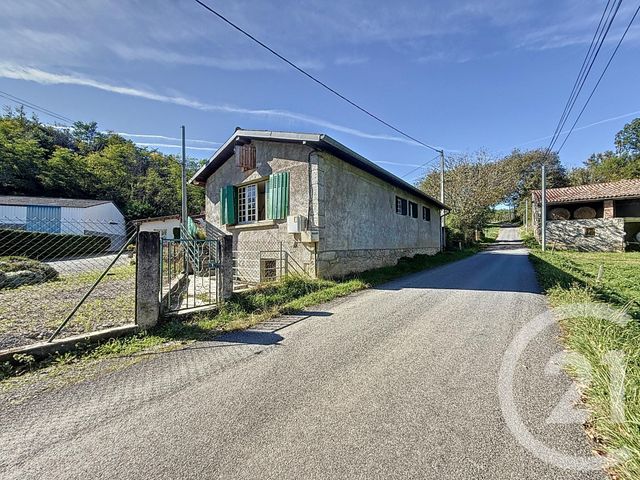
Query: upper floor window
{"points": [[401, 206], [426, 214], [413, 209]]}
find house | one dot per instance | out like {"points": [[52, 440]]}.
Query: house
{"points": [[596, 217], [311, 200], [63, 215], [167, 226]]}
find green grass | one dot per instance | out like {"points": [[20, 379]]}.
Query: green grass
{"points": [[241, 311], [573, 277], [490, 234]]}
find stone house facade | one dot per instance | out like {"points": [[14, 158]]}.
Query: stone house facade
{"points": [[304, 202], [596, 217]]}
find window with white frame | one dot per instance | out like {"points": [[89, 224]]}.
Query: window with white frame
{"points": [[248, 203], [251, 202]]}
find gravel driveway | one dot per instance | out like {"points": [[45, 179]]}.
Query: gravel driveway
{"points": [[400, 381]]}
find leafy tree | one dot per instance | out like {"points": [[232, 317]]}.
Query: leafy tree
{"points": [[473, 184], [65, 173], [82, 162], [611, 166], [628, 139]]}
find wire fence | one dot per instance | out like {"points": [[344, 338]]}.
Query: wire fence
{"points": [[47, 266]]}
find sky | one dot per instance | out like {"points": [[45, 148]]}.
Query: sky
{"points": [[461, 75]]}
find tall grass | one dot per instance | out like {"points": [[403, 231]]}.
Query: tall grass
{"points": [[614, 279]]}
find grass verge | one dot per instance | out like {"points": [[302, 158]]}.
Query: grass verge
{"points": [[612, 279], [490, 234], [241, 311]]}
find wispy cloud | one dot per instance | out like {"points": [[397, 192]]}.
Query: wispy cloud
{"points": [[169, 145], [163, 137], [47, 78], [564, 132]]}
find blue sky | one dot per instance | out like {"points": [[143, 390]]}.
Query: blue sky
{"points": [[463, 75]]}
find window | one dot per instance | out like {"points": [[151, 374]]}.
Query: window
{"points": [[413, 209], [401, 206], [251, 203], [426, 214], [589, 232]]}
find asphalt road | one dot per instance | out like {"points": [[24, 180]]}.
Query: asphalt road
{"points": [[400, 381]]}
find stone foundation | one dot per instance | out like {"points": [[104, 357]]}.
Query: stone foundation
{"points": [[338, 263]]}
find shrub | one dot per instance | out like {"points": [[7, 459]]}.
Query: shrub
{"points": [[17, 271], [45, 246]]}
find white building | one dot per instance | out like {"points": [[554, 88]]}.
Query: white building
{"points": [[63, 215], [168, 226]]}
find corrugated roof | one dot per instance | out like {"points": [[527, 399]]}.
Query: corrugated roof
{"points": [[324, 142], [21, 201], [594, 191]]}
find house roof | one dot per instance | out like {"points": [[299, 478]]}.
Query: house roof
{"points": [[322, 141], [156, 219], [595, 191], [21, 201]]}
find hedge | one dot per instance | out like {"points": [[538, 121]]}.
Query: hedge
{"points": [[47, 246]]}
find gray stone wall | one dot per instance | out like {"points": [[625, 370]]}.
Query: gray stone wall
{"points": [[359, 228], [570, 234], [271, 157], [353, 211]]}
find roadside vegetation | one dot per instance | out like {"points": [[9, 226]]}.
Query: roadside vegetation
{"points": [[243, 310], [613, 279], [490, 234]]}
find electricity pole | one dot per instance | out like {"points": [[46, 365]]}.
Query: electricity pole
{"points": [[526, 214], [544, 208], [443, 238], [184, 183]]}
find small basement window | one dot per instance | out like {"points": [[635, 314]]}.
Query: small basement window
{"points": [[589, 231], [413, 209], [426, 214], [401, 206]]}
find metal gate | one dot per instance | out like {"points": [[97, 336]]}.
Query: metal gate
{"points": [[190, 274]]}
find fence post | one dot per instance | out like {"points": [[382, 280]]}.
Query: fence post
{"points": [[227, 266], [148, 279]]}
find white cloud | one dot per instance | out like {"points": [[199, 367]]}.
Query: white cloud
{"points": [[48, 78], [163, 137], [169, 145]]}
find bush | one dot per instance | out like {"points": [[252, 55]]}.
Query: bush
{"points": [[46, 246], [18, 271]]}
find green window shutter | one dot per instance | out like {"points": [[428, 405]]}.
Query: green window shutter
{"points": [[278, 196], [228, 205]]}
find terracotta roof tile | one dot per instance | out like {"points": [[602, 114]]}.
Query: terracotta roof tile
{"points": [[595, 191]]}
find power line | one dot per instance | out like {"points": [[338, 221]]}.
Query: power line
{"points": [[583, 67], [421, 166], [613, 54], [590, 58], [33, 106], [314, 79]]}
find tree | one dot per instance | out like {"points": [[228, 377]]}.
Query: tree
{"points": [[628, 139], [65, 174], [82, 162], [474, 184]]}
